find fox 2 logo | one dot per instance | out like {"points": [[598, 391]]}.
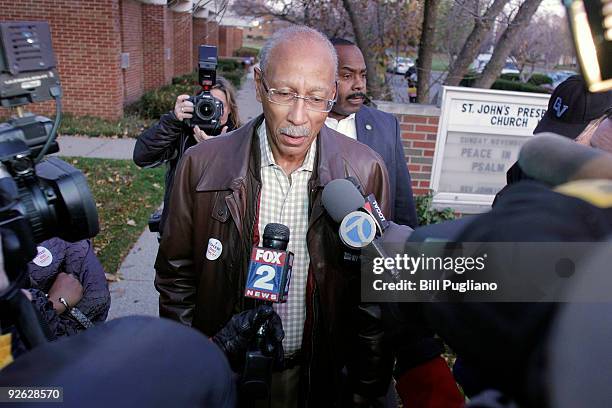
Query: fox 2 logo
{"points": [[265, 270]]}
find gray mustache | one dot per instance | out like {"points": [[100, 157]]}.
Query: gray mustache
{"points": [[296, 131]]}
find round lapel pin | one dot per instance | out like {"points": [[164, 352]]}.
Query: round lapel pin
{"points": [[214, 250]]}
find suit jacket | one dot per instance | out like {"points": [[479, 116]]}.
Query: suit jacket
{"points": [[381, 131]]}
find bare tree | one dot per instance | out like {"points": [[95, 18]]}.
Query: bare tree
{"points": [[374, 25], [482, 26], [506, 43], [426, 51]]}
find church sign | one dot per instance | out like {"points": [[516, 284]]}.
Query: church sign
{"points": [[479, 137]]}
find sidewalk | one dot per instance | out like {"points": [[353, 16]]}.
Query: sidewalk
{"points": [[135, 294]]}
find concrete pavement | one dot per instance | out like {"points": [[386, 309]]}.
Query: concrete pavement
{"points": [[135, 294]]}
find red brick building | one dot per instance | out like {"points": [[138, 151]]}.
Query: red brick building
{"points": [[110, 52]]}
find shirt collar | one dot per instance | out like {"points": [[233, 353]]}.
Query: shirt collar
{"points": [[267, 158], [349, 118]]}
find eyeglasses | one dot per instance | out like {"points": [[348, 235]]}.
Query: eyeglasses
{"points": [[287, 98]]}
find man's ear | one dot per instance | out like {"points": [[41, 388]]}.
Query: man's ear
{"points": [[257, 76]]}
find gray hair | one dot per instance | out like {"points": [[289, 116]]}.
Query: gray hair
{"points": [[294, 32]]}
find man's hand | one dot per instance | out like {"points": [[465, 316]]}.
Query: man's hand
{"points": [[238, 334], [68, 287], [183, 109], [200, 135]]}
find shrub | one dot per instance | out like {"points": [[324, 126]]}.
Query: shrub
{"points": [[506, 85], [155, 103], [229, 65], [246, 52], [540, 79], [427, 215], [469, 78], [510, 77]]}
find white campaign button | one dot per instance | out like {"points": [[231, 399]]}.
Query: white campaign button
{"points": [[44, 257], [215, 247]]}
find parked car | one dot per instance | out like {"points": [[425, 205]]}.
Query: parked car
{"points": [[510, 68], [401, 64], [559, 76]]}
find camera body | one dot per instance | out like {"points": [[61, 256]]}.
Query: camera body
{"points": [[39, 199], [207, 110]]}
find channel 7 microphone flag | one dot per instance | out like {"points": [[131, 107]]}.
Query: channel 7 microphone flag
{"points": [[269, 271]]}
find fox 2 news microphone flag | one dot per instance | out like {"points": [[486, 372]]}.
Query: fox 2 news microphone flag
{"points": [[269, 274]]}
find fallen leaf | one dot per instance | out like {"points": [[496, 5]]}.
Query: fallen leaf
{"points": [[111, 278], [131, 223]]}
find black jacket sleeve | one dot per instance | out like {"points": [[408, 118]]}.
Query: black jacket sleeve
{"points": [[161, 142], [405, 210]]}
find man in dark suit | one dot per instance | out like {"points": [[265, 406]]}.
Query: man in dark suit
{"points": [[377, 129], [423, 378]]}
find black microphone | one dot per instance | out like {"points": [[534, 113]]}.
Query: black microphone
{"points": [[268, 279], [555, 160], [269, 270], [358, 226]]}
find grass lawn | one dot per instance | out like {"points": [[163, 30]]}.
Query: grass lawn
{"points": [[125, 197], [128, 126]]}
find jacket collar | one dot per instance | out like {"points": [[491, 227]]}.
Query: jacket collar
{"points": [[240, 152], [364, 125]]}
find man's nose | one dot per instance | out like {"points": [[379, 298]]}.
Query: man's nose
{"points": [[359, 83], [297, 113]]}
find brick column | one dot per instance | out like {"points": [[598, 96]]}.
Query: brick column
{"points": [[419, 127], [223, 41], [182, 43], [157, 39], [132, 45]]}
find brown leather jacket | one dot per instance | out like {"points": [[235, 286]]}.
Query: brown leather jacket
{"points": [[214, 196]]}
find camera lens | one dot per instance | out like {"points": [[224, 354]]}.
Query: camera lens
{"points": [[205, 109]]}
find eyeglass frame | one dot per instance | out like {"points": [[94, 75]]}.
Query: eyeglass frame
{"points": [[296, 96]]}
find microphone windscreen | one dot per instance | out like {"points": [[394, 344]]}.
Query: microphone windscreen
{"points": [[276, 236], [341, 197], [554, 159]]}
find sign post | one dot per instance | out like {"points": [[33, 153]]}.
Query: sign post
{"points": [[479, 137]]}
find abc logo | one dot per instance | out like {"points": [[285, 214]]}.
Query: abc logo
{"points": [[268, 256]]}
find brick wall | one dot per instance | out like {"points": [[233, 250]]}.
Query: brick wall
{"points": [[131, 40], [156, 39], [183, 37], [419, 127], [86, 40], [230, 39], [204, 33]]}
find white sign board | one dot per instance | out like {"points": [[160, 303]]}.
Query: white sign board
{"points": [[479, 137]]}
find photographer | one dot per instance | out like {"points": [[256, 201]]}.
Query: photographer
{"points": [[171, 136]]}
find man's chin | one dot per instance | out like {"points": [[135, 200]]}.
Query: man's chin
{"points": [[347, 109]]}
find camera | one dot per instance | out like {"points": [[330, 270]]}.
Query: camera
{"points": [[39, 198], [207, 110]]}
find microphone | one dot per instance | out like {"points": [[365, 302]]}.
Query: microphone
{"points": [[268, 279], [555, 160], [269, 270], [371, 206], [346, 205], [358, 226]]}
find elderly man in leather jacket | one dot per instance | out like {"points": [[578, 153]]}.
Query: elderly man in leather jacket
{"points": [[274, 169]]}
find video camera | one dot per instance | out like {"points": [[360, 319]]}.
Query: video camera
{"points": [[207, 110], [39, 199]]}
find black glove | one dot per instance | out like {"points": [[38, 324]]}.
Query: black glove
{"points": [[240, 332]]}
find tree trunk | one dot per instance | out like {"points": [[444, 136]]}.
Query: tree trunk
{"points": [[506, 43], [361, 38], [426, 49], [471, 47]]}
